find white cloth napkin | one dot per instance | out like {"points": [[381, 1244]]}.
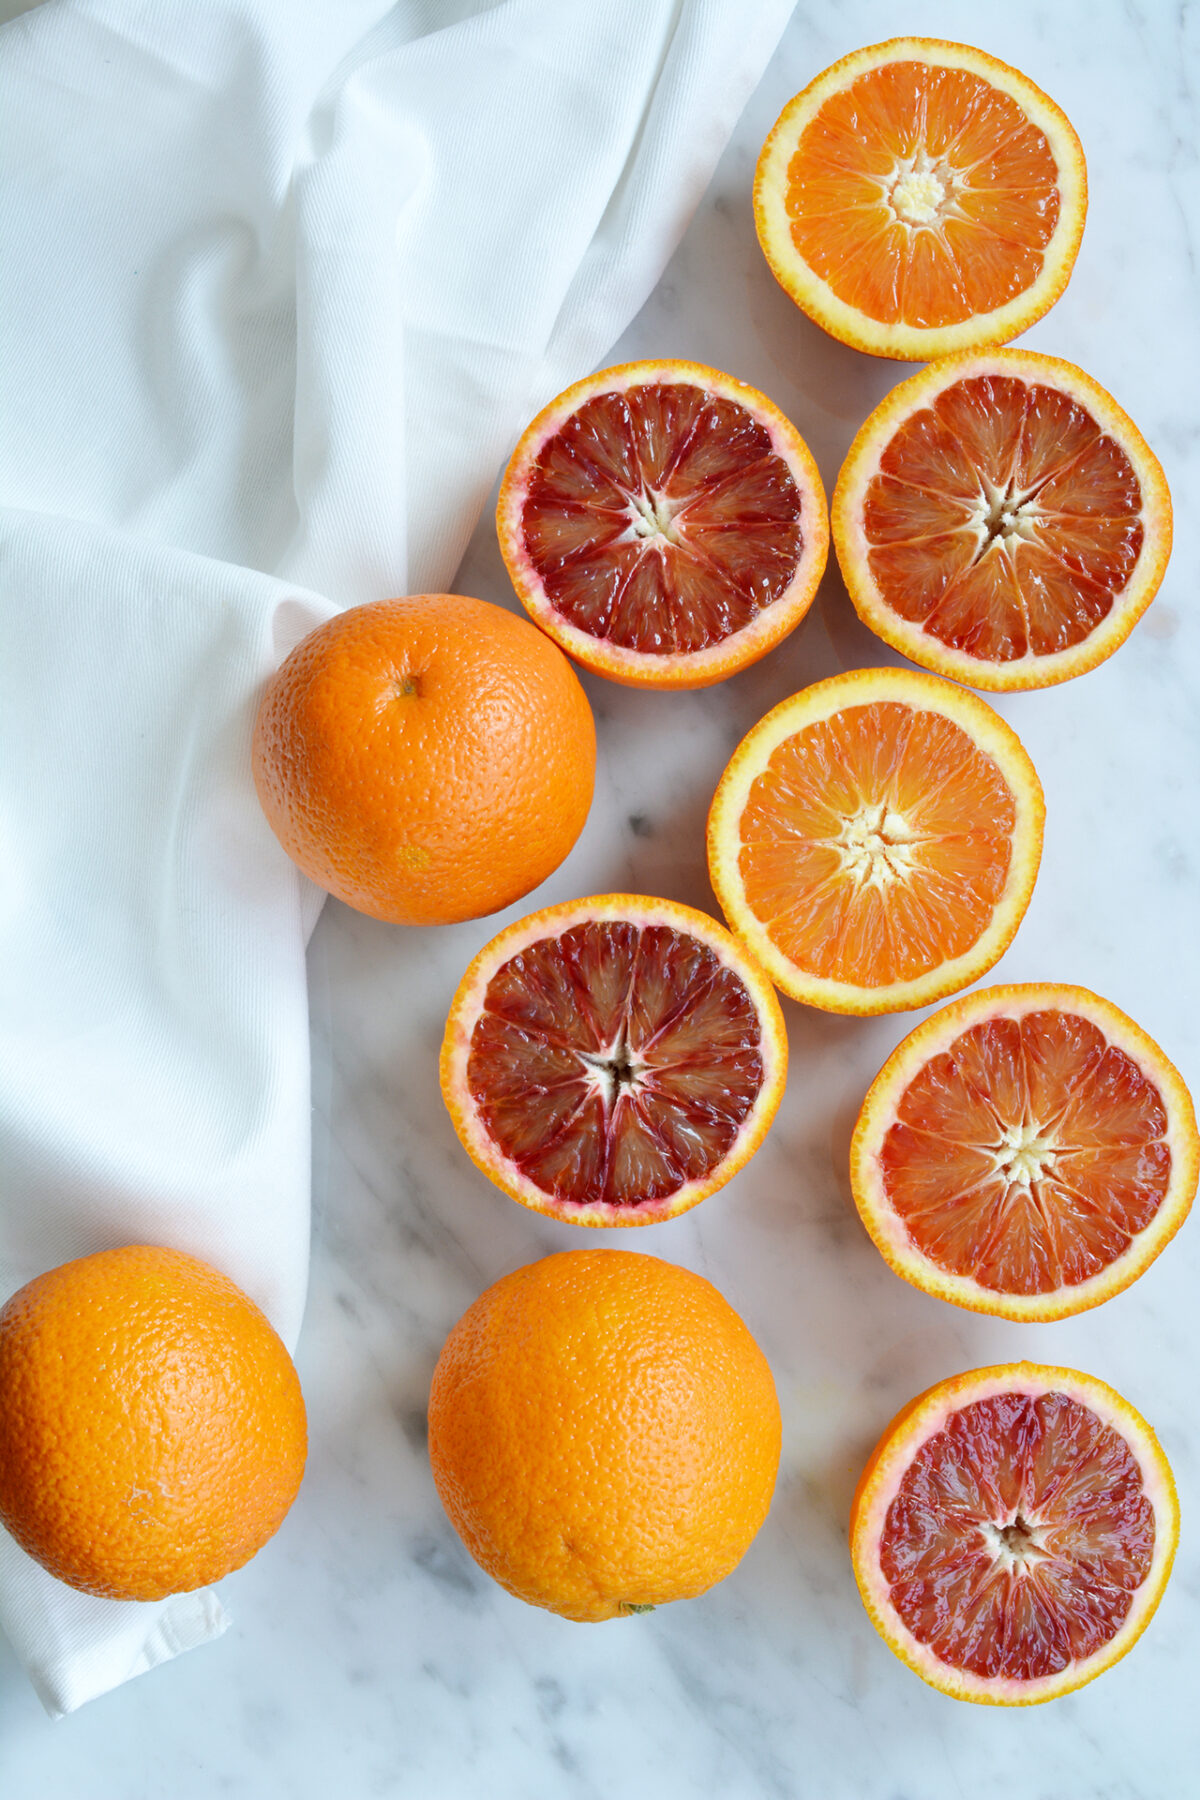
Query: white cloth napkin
{"points": [[280, 284]]}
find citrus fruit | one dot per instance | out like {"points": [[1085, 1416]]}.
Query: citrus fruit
{"points": [[664, 523], [1026, 1151], [875, 839], [1013, 1532], [921, 197], [604, 1433], [999, 519], [614, 1060], [427, 759], [152, 1431]]}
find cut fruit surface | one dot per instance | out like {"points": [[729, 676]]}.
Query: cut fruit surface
{"points": [[1013, 1532], [875, 840], [1027, 1151], [1000, 520], [614, 1060], [921, 197], [664, 523]]}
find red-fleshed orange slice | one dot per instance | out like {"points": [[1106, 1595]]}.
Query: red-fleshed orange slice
{"points": [[1013, 1532], [664, 523], [1027, 1151], [921, 197], [614, 1060], [875, 840], [1000, 520]]}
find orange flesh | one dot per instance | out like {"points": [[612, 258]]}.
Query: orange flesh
{"points": [[1028, 1154], [965, 152], [661, 519], [616, 1062], [1018, 1537], [876, 844], [1003, 520]]}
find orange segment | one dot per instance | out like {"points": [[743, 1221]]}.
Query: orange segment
{"points": [[613, 1061], [999, 519], [664, 523], [1013, 1532], [875, 840], [921, 196], [1027, 1151]]}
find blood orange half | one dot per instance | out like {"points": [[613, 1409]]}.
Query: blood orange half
{"points": [[1013, 1532], [664, 523], [875, 839], [1000, 520], [614, 1060], [1027, 1151], [921, 197]]}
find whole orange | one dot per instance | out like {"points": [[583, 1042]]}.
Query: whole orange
{"points": [[152, 1429], [427, 759], [604, 1433]]}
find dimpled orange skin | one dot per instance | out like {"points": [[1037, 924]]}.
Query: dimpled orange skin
{"points": [[426, 760], [152, 1428], [604, 1433]]}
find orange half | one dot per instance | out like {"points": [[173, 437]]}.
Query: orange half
{"points": [[1027, 1151], [921, 197], [614, 1060], [1013, 1531], [664, 523], [875, 840], [1000, 520]]}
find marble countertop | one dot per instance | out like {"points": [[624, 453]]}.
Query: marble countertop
{"points": [[368, 1655]]}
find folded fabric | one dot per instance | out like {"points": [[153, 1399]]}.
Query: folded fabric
{"points": [[279, 288]]}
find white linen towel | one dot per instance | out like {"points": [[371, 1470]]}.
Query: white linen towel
{"points": [[279, 286]]}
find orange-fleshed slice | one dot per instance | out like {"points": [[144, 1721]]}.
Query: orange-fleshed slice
{"points": [[1026, 1151], [614, 1060], [664, 523], [875, 839], [921, 197], [1013, 1532], [1000, 520]]}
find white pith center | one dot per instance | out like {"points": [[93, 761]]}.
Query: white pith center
{"points": [[652, 517], [1003, 514], [1024, 1154], [923, 189], [613, 1072], [1017, 1546], [875, 846]]}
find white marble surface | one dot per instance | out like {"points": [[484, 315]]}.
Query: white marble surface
{"points": [[369, 1657]]}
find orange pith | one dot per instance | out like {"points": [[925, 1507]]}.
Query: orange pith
{"points": [[426, 759], [152, 1429], [921, 196], [664, 523], [999, 519], [614, 1060], [875, 840], [1013, 1531], [604, 1433], [1027, 1151]]}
